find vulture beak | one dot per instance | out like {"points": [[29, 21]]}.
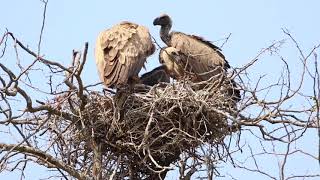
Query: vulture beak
{"points": [[156, 21]]}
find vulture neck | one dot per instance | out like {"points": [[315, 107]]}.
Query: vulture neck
{"points": [[164, 33]]}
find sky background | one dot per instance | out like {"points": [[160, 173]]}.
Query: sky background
{"points": [[254, 24]]}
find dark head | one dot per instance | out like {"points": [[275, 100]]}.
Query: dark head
{"points": [[162, 20]]}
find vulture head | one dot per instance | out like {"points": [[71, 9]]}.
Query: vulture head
{"points": [[163, 20], [171, 58]]}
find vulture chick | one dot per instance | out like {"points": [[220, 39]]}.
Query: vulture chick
{"points": [[120, 53], [151, 78], [155, 76]]}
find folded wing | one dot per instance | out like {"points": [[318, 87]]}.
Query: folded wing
{"points": [[121, 52]]}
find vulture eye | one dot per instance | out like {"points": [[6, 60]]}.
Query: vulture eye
{"points": [[174, 53]]}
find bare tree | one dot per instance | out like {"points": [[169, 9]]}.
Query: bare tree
{"points": [[78, 132]]}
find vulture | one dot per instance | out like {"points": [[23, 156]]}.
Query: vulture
{"points": [[157, 75], [190, 55], [121, 52]]}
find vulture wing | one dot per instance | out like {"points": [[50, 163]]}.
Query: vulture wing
{"points": [[121, 52], [205, 58]]}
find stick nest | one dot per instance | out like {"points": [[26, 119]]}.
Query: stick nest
{"points": [[151, 129]]}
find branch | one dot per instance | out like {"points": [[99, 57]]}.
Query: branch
{"points": [[47, 158], [45, 61]]}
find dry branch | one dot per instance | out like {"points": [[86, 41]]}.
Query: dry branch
{"points": [[45, 158]]}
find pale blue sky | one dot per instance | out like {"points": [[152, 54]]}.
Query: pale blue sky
{"points": [[254, 24]]}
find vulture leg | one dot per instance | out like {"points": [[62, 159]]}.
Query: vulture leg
{"points": [[119, 100]]}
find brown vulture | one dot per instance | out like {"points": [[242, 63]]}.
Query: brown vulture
{"points": [[121, 52], [190, 55]]}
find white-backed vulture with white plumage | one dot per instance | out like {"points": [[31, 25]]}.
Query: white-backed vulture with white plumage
{"points": [[190, 54], [121, 52]]}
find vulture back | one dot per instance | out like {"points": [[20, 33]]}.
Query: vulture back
{"points": [[205, 58], [121, 51]]}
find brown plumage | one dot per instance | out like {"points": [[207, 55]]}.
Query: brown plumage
{"points": [[191, 55], [205, 58], [157, 75], [121, 51]]}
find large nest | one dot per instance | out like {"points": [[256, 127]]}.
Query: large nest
{"points": [[151, 129]]}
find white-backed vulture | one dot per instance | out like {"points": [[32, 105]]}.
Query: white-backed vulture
{"points": [[157, 75], [209, 56], [191, 54], [203, 56], [120, 53]]}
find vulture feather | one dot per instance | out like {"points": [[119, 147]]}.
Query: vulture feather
{"points": [[121, 52]]}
